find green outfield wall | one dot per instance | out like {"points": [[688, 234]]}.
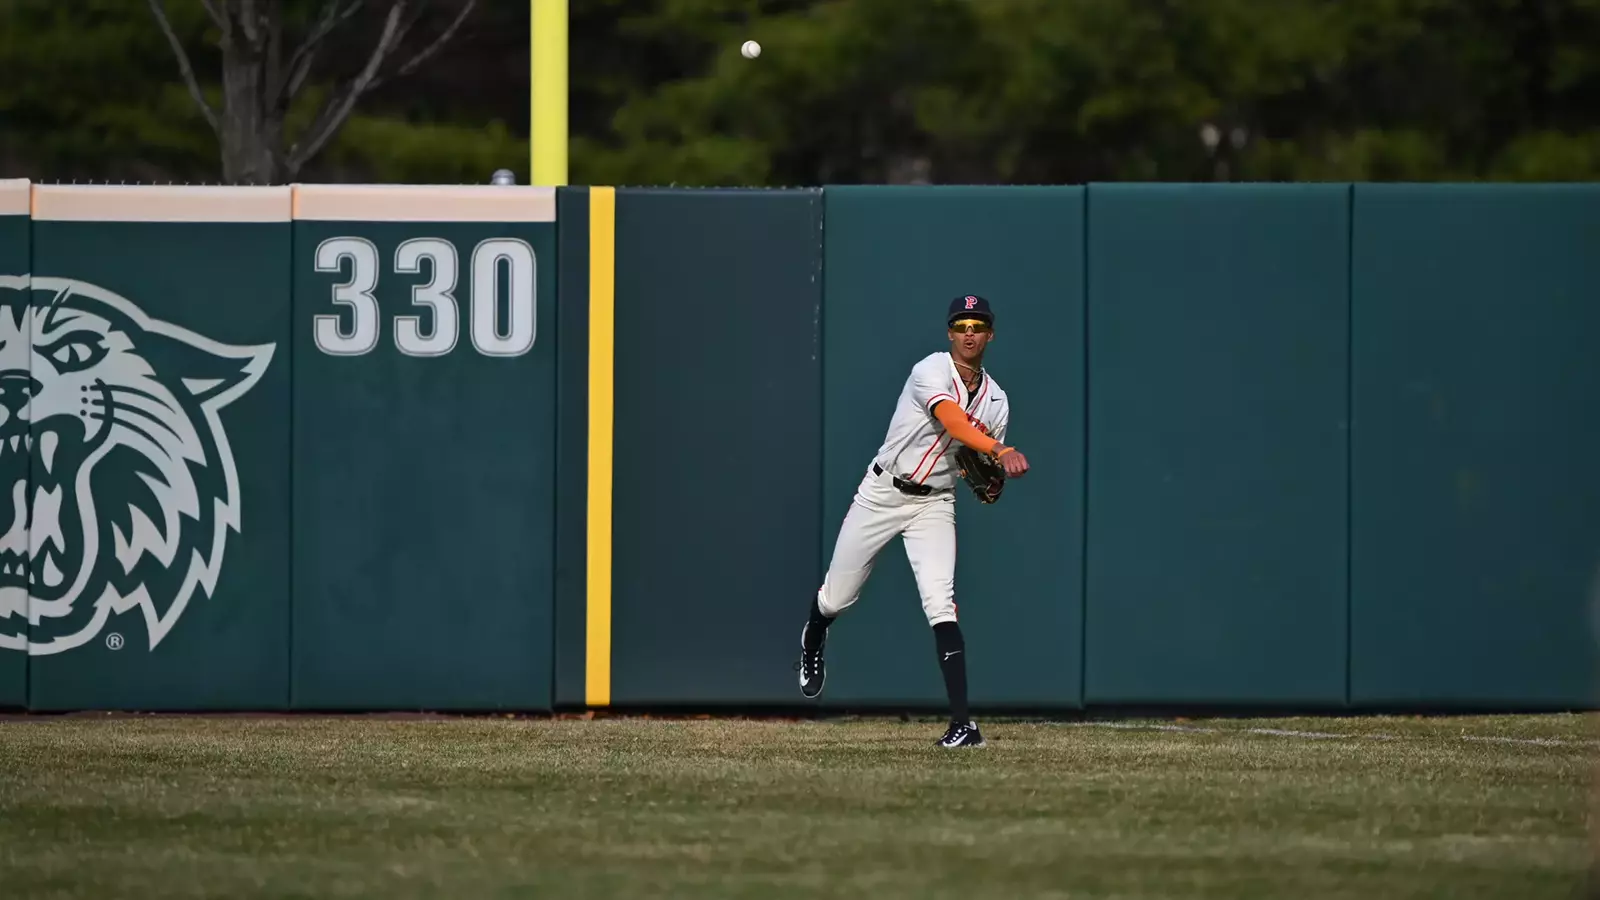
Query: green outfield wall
{"points": [[424, 445], [715, 472], [168, 513], [570, 589], [1475, 488], [478, 448], [16, 255], [1219, 336]]}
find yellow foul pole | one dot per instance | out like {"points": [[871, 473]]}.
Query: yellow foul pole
{"points": [[547, 79]]}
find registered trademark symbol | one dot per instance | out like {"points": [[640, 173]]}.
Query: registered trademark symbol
{"points": [[114, 641]]}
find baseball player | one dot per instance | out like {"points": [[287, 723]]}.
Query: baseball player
{"points": [[909, 491]]}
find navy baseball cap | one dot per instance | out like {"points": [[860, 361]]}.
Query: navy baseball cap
{"points": [[970, 306]]}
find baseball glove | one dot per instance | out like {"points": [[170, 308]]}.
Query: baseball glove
{"points": [[982, 472]]}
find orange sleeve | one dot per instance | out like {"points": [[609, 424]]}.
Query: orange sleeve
{"points": [[955, 422]]}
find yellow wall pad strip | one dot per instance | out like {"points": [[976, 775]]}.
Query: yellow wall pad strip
{"points": [[602, 296]]}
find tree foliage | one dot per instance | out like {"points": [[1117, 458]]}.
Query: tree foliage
{"points": [[1076, 90], [973, 91]]}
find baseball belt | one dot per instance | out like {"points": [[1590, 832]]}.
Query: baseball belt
{"points": [[905, 487]]}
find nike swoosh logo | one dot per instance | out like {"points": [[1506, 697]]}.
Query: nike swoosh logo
{"points": [[951, 653]]}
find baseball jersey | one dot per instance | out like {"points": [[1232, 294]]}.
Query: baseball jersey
{"points": [[917, 448]]}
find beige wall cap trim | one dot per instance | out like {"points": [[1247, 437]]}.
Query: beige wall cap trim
{"points": [[160, 203], [424, 203], [14, 196]]}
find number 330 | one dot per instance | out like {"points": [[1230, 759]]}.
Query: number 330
{"points": [[438, 295]]}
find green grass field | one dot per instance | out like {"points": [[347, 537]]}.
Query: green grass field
{"points": [[464, 808]]}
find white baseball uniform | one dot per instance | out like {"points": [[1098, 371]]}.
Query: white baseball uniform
{"points": [[917, 452]]}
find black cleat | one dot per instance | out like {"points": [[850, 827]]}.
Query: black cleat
{"points": [[959, 735], [812, 670]]}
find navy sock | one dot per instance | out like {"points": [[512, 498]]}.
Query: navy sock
{"points": [[816, 627], [953, 663]]}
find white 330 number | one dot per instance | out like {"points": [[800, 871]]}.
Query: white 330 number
{"points": [[517, 277]]}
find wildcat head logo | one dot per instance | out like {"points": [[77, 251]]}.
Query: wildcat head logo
{"points": [[121, 483]]}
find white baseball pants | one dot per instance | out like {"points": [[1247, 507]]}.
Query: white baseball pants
{"points": [[878, 513]]}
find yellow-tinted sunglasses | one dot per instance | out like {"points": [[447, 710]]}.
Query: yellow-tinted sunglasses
{"points": [[969, 326]]}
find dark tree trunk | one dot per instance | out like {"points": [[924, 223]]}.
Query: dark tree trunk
{"points": [[251, 128]]}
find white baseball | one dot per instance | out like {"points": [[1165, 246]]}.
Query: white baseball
{"points": [[751, 50]]}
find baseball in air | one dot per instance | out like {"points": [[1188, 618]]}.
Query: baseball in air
{"points": [[751, 50]]}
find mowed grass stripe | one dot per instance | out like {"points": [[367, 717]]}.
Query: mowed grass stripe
{"points": [[179, 807], [1417, 727]]}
